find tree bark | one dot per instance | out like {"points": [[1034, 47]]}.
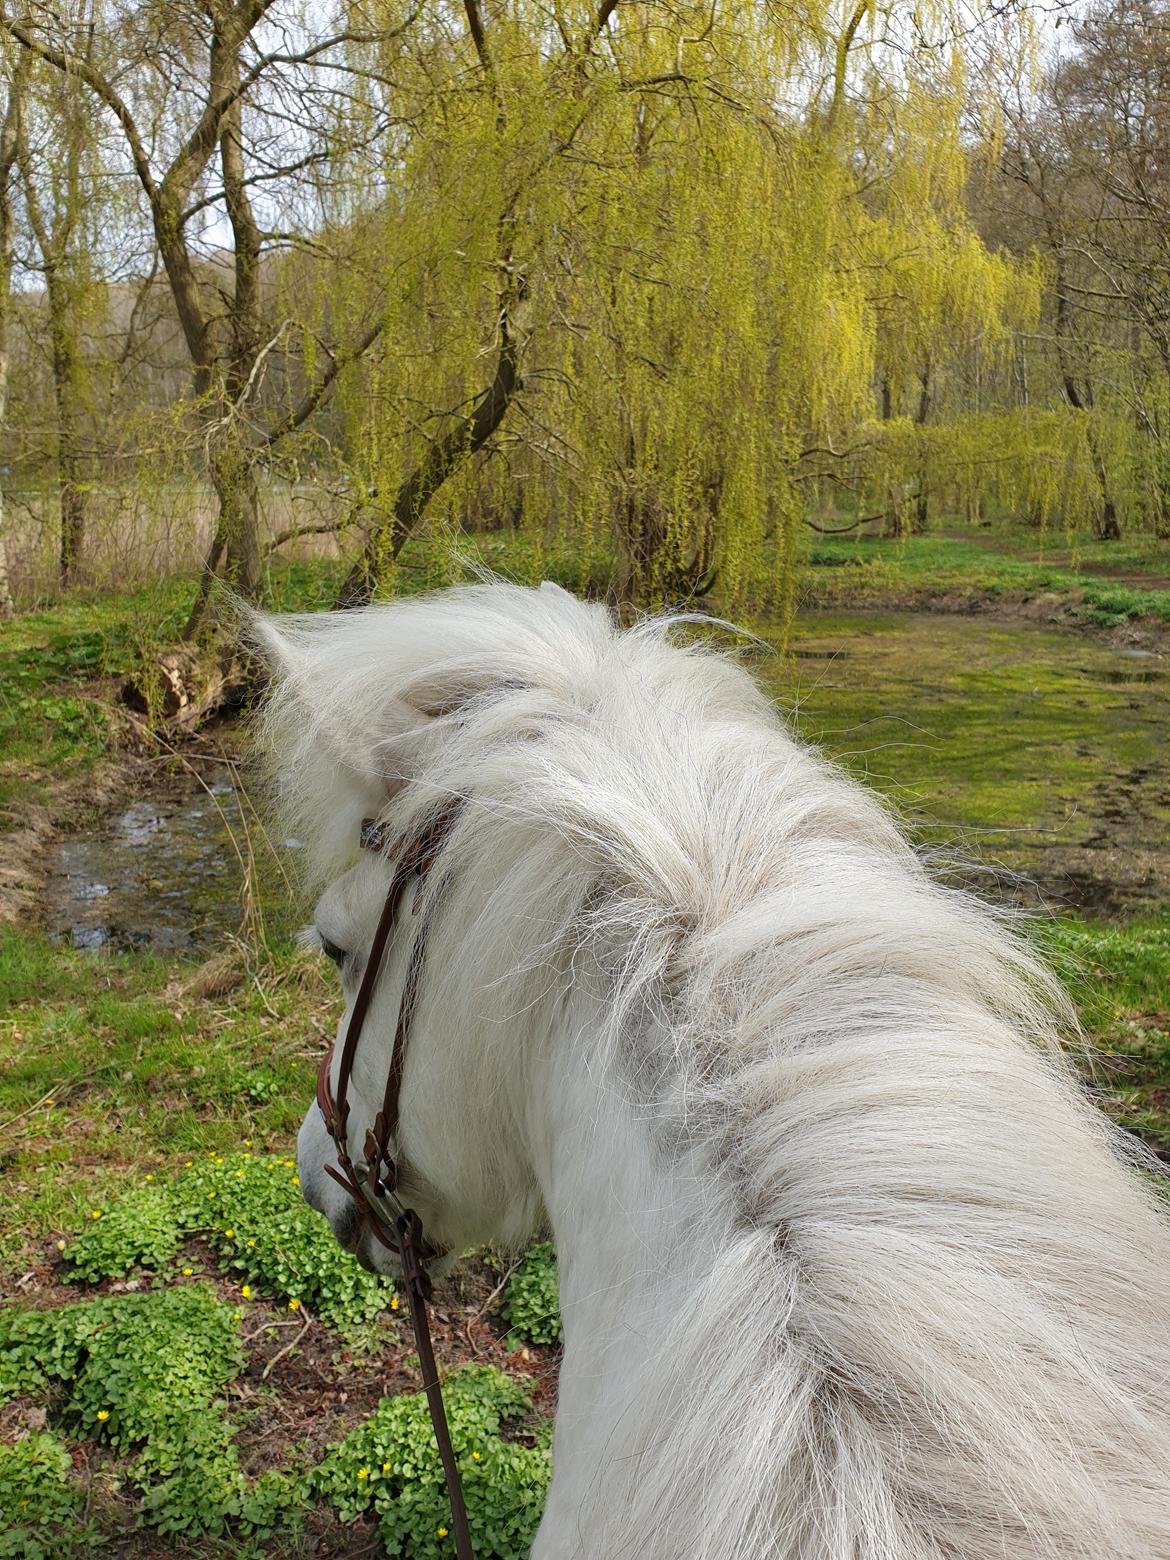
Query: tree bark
{"points": [[54, 231], [922, 498], [8, 157], [458, 444]]}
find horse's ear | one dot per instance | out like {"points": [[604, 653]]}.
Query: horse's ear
{"points": [[307, 723]]}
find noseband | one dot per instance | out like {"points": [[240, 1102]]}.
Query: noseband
{"points": [[373, 1181]]}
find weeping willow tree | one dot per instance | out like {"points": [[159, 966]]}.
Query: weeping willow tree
{"points": [[645, 264], [625, 275]]}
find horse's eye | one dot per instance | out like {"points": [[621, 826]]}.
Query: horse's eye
{"points": [[332, 951]]}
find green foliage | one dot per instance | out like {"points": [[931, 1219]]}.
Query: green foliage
{"points": [[41, 1348], [249, 1209], [1111, 968], [1114, 604], [145, 1373], [390, 1465], [139, 1230], [531, 1307], [42, 1510]]}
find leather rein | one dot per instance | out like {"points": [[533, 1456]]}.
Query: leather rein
{"points": [[372, 1181]]}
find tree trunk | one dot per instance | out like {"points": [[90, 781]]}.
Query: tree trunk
{"points": [[236, 542], [922, 497], [69, 459], [458, 444], [9, 151]]}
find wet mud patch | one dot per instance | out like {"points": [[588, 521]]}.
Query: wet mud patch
{"points": [[1028, 760]]}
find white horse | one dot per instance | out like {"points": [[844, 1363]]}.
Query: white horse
{"points": [[849, 1267]]}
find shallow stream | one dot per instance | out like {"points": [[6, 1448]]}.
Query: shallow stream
{"points": [[163, 872]]}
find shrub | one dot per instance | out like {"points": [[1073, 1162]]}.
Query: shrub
{"points": [[391, 1465], [531, 1307]]}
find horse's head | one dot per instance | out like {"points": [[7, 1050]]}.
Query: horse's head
{"points": [[387, 714]]}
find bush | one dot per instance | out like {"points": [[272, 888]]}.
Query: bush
{"points": [[531, 1306], [391, 1465]]}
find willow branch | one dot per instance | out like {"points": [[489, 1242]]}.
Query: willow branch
{"points": [[313, 397]]}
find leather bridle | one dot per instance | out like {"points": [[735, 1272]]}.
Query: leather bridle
{"points": [[372, 1182]]}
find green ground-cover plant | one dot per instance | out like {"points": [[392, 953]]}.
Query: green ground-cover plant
{"points": [[144, 1373], [1109, 605], [390, 1465], [859, 569], [531, 1307], [42, 1509], [106, 1058], [248, 1207]]}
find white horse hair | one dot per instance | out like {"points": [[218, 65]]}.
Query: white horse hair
{"points": [[850, 1269]]}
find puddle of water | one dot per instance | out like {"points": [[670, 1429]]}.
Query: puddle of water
{"points": [[1036, 752], [163, 873]]}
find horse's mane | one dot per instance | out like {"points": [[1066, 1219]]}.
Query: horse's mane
{"points": [[939, 1325]]}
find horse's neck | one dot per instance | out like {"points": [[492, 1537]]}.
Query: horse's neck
{"points": [[637, 1227]]}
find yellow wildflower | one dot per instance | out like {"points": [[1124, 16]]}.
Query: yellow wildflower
{"points": [[103, 1414], [187, 1163], [247, 1144], [246, 1291], [394, 1303], [187, 1272], [148, 1176], [251, 1243], [442, 1532], [363, 1473], [386, 1467], [475, 1456], [211, 1194], [296, 1180], [230, 1234], [294, 1305], [95, 1213]]}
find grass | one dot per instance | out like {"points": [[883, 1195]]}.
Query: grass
{"points": [[861, 569], [111, 1064], [1017, 742]]}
